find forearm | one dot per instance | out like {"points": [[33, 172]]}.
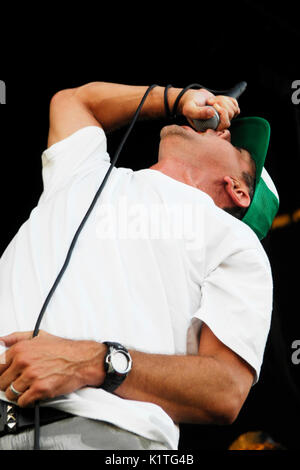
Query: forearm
{"points": [[194, 389], [191, 389], [114, 105]]}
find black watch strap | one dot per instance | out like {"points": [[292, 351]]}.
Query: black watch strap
{"points": [[113, 379]]}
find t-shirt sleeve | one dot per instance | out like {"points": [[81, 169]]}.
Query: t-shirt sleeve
{"points": [[76, 153], [236, 304]]}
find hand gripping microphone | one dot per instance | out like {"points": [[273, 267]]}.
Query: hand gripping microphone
{"points": [[212, 123]]}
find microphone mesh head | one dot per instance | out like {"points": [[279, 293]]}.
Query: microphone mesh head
{"points": [[212, 123]]}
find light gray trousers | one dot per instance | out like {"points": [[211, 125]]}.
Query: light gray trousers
{"points": [[79, 434]]}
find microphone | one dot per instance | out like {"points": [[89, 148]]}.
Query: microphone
{"points": [[212, 123]]}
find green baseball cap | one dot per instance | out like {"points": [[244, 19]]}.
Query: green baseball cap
{"points": [[253, 134]]}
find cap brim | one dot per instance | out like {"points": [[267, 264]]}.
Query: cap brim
{"points": [[252, 134]]}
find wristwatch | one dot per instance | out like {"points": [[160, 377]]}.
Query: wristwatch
{"points": [[117, 365]]}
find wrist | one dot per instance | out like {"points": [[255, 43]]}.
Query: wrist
{"points": [[178, 98], [91, 370], [155, 107], [172, 95]]}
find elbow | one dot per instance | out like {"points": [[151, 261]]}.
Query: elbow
{"points": [[61, 96], [230, 399], [219, 411], [226, 416], [227, 410], [84, 94]]}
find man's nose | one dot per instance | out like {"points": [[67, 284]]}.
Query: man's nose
{"points": [[225, 134]]}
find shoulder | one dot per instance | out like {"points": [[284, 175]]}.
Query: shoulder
{"points": [[228, 237]]}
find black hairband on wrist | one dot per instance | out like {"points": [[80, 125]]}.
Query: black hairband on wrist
{"points": [[167, 107], [172, 114], [192, 85]]}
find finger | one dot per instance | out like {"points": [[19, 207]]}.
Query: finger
{"points": [[18, 385], [208, 112], [192, 110], [204, 114], [10, 354], [27, 398], [227, 103], [15, 368], [224, 118], [5, 361], [15, 337], [235, 104], [33, 394], [232, 108], [7, 377]]}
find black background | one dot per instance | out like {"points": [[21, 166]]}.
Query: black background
{"points": [[44, 51]]}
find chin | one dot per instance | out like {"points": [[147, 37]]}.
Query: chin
{"points": [[173, 129]]}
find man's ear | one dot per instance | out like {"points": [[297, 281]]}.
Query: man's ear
{"points": [[237, 191]]}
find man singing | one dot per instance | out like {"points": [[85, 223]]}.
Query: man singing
{"points": [[163, 313]]}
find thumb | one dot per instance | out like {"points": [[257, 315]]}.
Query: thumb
{"points": [[192, 110], [14, 338]]}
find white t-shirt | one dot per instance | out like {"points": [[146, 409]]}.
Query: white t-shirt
{"points": [[155, 259]]}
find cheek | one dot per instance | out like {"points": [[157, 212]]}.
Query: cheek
{"points": [[225, 156], [218, 153]]}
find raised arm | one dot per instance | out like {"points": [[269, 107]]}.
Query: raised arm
{"points": [[107, 105], [112, 105]]}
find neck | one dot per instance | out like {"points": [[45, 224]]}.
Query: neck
{"points": [[192, 176], [177, 170]]}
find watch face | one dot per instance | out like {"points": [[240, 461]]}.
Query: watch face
{"points": [[119, 362]]}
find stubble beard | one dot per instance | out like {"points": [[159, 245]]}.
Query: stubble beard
{"points": [[173, 129]]}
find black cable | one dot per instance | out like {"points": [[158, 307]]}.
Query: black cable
{"points": [[36, 426], [71, 248], [193, 85]]}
